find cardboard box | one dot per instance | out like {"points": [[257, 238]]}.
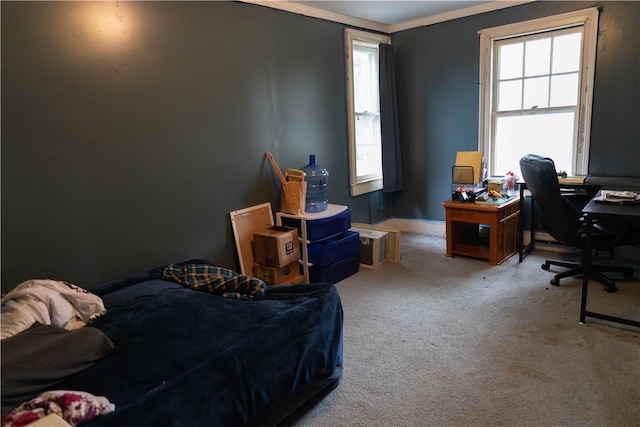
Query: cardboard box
{"points": [[373, 247], [275, 276], [276, 246]]}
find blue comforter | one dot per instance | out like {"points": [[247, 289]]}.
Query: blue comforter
{"points": [[188, 358]]}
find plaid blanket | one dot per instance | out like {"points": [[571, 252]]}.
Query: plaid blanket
{"points": [[215, 280]]}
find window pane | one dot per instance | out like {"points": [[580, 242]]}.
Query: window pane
{"points": [[549, 135], [564, 90], [537, 57], [510, 95], [365, 80], [368, 148], [363, 101], [566, 53], [510, 61], [556, 55], [536, 93]]}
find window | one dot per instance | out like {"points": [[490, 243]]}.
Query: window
{"points": [[365, 149], [536, 91]]}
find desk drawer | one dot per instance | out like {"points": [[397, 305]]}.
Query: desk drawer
{"points": [[466, 215], [508, 210]]}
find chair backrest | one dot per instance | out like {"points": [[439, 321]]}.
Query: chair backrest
{"points": [[557, 215]]}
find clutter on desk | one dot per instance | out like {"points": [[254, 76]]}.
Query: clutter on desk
{"points": [[576, 179], [504, 184], [462, 175], [564, 178], [465, 192], [465, 196], [611, 196], [469, 184], [511, 178], [493, 196], [466, 176], [463, 187], [495, 184]]}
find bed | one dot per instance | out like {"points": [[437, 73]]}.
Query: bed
{"points": [[185, 357]]}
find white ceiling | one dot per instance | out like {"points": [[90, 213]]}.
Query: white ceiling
{"points": [[390, 12], [388, 15]]}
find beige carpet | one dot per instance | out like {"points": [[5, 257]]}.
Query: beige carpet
{"points": [[437, 341]]}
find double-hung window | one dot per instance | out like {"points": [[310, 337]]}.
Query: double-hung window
{"points": [[536, 91], [365, 148]]}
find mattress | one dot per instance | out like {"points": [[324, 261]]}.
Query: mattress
{"points": [[186, 357]]}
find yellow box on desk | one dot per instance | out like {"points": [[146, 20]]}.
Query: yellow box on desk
{"points": [[276, 246], [275, 276]]}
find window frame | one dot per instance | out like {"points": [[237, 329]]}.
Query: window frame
{"points": [[588, 19], [369, 183]]}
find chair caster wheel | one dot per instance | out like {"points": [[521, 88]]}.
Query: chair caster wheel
{"points": [[610, 289], [554, 282], [545, 267]]}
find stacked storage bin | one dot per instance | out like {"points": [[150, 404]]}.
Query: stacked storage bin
{"points": [[329, 250]]}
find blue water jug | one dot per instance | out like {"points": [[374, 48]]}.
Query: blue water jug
{"points": [[316, 178]]}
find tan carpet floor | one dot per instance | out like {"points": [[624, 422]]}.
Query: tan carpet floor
{"points": [[438, 341]]}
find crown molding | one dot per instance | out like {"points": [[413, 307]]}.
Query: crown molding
{"points": [[460, 13], [322, 14], [313, 12]]}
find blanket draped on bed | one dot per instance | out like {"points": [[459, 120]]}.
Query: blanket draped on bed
{"points": [[48, 302], [74, 407], [215, 280]]}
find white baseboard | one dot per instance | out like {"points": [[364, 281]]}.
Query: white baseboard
{"points": [[431, 228], [438, 228]]}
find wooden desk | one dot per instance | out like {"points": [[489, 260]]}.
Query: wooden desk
{"points": [[463, 229]]}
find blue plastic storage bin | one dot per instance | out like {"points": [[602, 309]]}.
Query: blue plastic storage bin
{"points": [[335, 272], [318, 229], [334, 248]]}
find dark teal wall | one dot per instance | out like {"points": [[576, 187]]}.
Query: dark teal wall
{"points": [[615, 129], [438, 71], [123, 151]]}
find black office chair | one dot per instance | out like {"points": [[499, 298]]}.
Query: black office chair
{"points": [[560, 218]]}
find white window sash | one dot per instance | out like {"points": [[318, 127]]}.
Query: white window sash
{"points": [[358, 184], [587, 18]]}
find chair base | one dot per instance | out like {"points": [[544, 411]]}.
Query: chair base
{"points": [[596, 272]]}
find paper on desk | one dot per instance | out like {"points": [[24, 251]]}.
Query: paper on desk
{"points": [[619, 196]]}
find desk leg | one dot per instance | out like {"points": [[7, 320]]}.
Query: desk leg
{"points": [[525, 249], [521, 226], [495, 249], [586, 265], [533, 225], [449, 233], [586, 274]]}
